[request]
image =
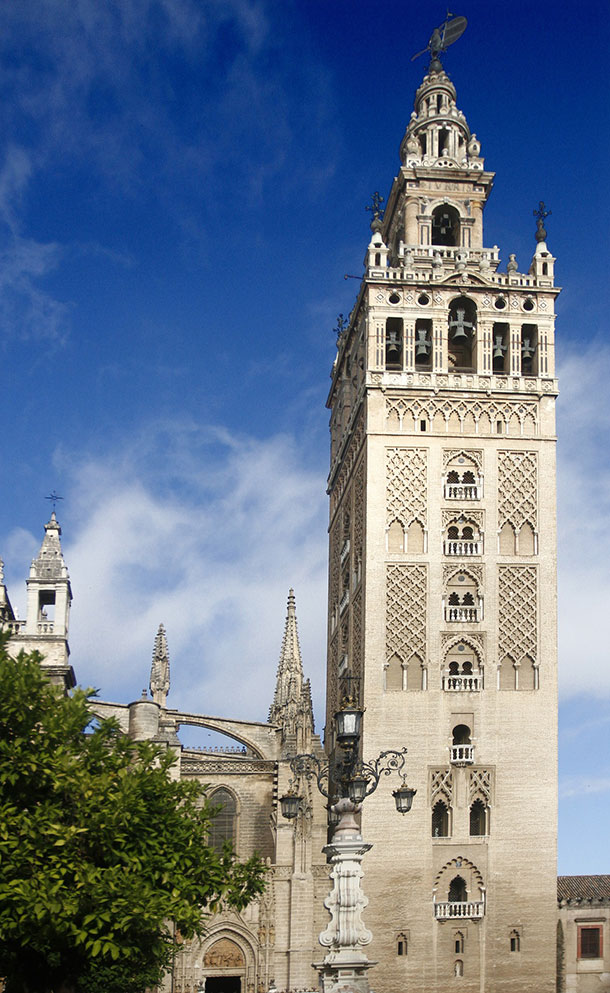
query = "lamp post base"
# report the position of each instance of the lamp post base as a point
(344, 976)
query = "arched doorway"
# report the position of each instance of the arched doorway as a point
(224, 967)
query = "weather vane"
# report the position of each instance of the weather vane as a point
(450, 30)
(54, 497)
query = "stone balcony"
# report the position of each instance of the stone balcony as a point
(462, 910)
(462, 754)
(14, 627)
(462, 684)
(460, 547)
(462, 491)
(462, 615)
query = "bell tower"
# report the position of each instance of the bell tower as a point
(442, 582)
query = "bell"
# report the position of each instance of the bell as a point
(527, 350)
(499, 347)
(460, 327)
(422, 346)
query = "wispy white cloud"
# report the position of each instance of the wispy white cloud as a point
(584, 512)
(579, 785)
(205, 532)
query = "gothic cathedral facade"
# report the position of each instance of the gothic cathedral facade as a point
(442, 574)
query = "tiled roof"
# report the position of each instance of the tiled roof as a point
(577, 889)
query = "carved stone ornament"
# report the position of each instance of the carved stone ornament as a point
(346, 901)
(224, 954)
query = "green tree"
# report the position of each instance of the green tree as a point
(104, 859)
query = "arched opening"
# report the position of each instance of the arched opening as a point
(527, 544)
(462, 335)
(462, 751)
(457, 890)
(458, 969)
(393, 343)
(478, 819)
(529, 347)
(507, 539)
(440, 820)
(445, 226)
(396, 538)
(415, 674)
(423, 343)
(500, 347)
(394, 674)
(415, 538)
(224, 822)
(507, 674)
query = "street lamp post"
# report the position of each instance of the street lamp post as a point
(348, 780)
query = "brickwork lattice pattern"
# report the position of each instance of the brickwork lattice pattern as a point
(406, 485)
(518, 607)
(517, 488)
(406, 594)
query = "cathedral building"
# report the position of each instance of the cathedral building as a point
(441, 620)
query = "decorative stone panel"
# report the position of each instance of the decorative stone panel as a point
(473, 455)
(518, 610)
(406, 485)
(406, 595)
(469, 417)
(441, 786)
(480, 786)
(517, 489)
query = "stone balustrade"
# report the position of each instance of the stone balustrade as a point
(462, 615)
(462, 684)
(452, 546)
(462, 491)
(454, 910)
(462, 754)
(14, 627)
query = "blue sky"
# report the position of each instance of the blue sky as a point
(182, 189)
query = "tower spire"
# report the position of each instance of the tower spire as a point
(159, 670)
(291, 707)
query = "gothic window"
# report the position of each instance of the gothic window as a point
(440, 820)
(500, 339)
(462, 334)
(458, 940)
(402, 945)
(393, 343)
(515, 941)
(529, 350)
(224, 822)
(457, 890)
(478, 819)
(445, 225)
(423, 344)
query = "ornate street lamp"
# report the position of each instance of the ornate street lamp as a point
(345, 935)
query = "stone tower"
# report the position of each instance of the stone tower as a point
(49, 596)
(442, 585)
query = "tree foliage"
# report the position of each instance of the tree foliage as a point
(104, 859)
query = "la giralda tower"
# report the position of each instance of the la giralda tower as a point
(442, 586)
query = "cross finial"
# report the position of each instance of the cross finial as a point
(54, 497)
(540, 214)
(376, 208)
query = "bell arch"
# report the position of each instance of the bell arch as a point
(462, 325)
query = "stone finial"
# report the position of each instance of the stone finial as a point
(49, 563)
(159, 670)
(291, 707)
(1, 571)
